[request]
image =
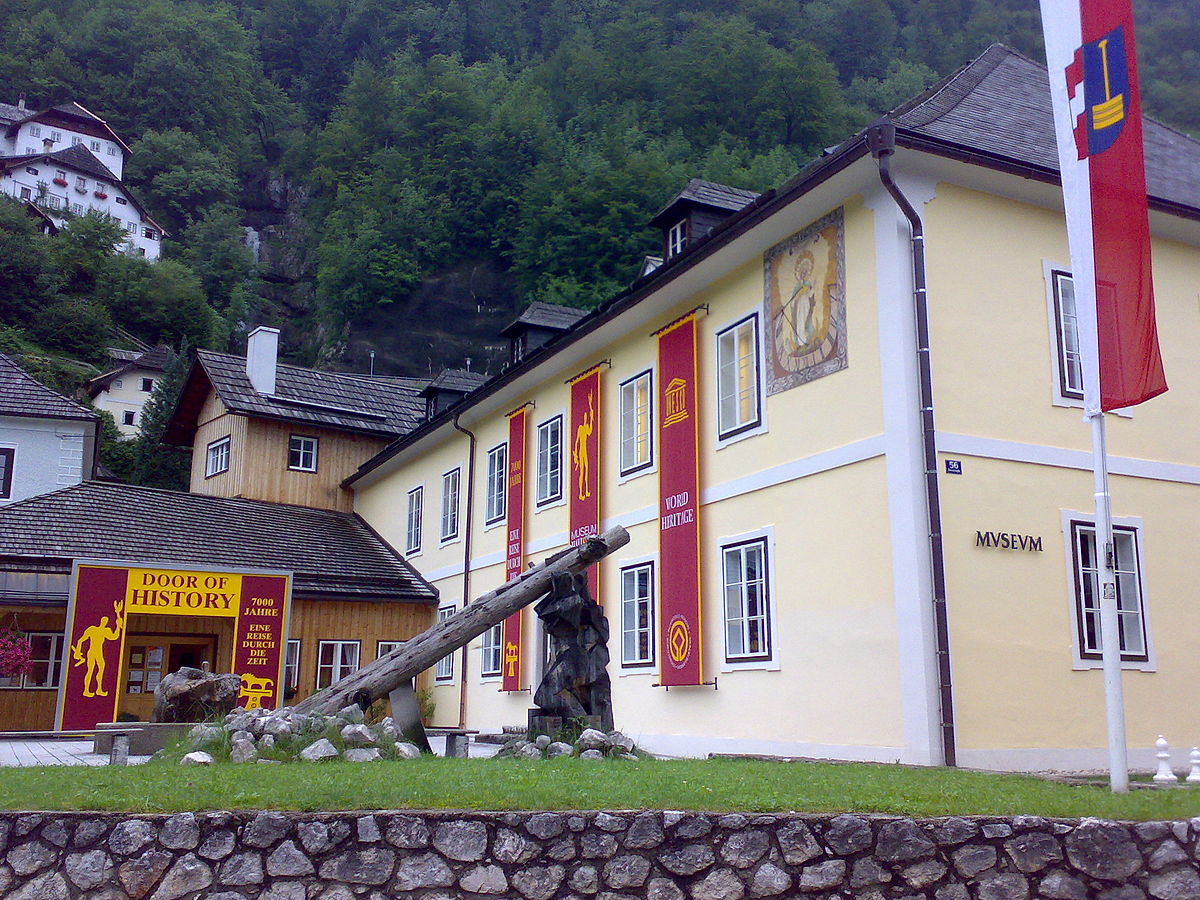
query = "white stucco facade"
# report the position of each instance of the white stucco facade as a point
(48, 454)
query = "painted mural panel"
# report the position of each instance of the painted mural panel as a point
(805, 304)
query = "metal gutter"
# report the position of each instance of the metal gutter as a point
(882, 140)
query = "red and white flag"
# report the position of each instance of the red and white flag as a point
(1098, 123)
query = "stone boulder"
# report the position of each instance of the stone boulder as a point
(193, 695)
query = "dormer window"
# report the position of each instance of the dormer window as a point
(677, 238)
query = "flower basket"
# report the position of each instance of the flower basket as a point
(100, 195)
(16, 655)
(61, 182)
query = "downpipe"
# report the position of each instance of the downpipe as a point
(881, 140)
(466, 588)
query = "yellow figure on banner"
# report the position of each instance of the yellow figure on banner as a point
(89, 650)
(254, 688)
(676, 401)
(511, 658)
(579, 454)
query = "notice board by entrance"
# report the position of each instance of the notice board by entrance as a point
(104, 594)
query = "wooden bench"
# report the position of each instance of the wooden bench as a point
(457, 739)
(117, 756)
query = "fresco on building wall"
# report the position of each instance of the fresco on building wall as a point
(805, 305)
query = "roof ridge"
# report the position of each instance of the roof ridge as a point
(964, 80)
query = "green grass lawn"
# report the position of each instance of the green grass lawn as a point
(714, 785)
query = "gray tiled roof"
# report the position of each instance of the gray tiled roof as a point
(152, 360)
(547, 315)
(349, 402)
(332, 554)
(22, 395)
(1000, 104)
(78, 157)
(708, 193)
(456, 380)
(712, 194)
(10, 113)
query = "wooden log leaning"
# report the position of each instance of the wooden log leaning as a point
(380, 678)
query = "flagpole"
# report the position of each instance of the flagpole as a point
(1110, 630)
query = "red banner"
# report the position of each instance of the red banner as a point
(584, 487)
(515, 556)
(95, 639)
(679, 509)
(1098, 126)
(260, 635)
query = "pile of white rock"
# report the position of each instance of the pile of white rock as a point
(278, 735)
(591, 744)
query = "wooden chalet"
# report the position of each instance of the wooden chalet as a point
(353, 596)
(268, 431)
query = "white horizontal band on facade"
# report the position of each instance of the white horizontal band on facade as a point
(1060, 457)
(825, 461)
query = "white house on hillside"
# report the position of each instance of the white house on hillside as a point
(67, 161)
(124, 390)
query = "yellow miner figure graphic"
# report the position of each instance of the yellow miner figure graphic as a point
(89, 649)
(579, 454)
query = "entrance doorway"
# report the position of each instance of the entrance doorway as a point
(151, 657)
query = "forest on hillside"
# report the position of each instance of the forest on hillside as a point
(378, 147)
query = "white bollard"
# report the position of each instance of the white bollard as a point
(1164, 775)
(1194, 775)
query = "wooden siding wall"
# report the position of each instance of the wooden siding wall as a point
(266, 475)
(344, 620)
(228, 483)
(258, 460)
(312, 621)
(30, 710)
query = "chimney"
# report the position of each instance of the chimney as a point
(262, 352)
(47, 145)
(21, 103)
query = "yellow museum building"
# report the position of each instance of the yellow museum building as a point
(892, 551)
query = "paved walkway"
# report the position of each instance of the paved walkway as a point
(79, 753)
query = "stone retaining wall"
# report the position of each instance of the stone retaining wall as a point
(606, 856)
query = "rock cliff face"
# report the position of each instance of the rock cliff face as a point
(455, 314)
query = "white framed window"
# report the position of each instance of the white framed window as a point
(497, 485)
(450, 504)
(122, 201)
(118, 384)
(35, 130)
(112, 151)
(147, 385)
(128, 417)
(26, 193)
(216, 458)
(94, 145)
(77, 209)
(416, 502)
(490, 661)
(302, 453)
(637, 615)
(291, 666)
(56, 136)
(1064, 328)
(76, 140)
(443, 670)
(746, 606)
(1084, 562)
(549, 461)
(383, 648)
(8, 456)
(676, 238)
(738, 394)
(132, 228)
(637, 417)
(45, 662)
(336, 660)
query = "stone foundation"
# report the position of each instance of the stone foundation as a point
(602, 855)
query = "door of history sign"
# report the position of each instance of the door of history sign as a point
(104, 595)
